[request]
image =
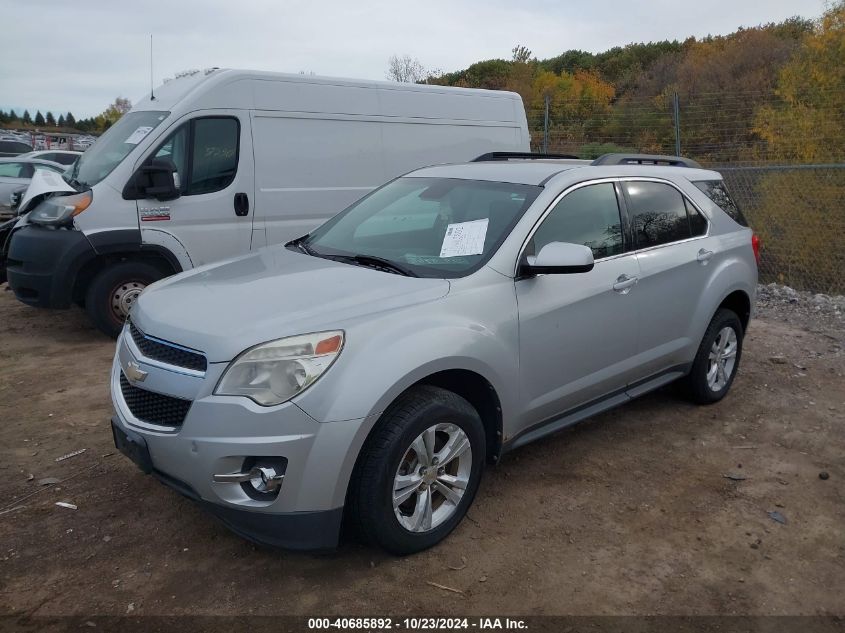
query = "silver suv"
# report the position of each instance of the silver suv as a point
(372, 368)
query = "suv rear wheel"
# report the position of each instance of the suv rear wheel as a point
(717, 360)
(113, 292)
(418, 473)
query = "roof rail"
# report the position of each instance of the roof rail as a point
(645, 159)
(495, 156)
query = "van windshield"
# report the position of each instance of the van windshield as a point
(424, 227)
(102, 157)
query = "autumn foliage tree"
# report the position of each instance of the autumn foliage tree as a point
(804, 208)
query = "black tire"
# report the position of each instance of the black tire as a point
(370, 499)
(696, 383)
(103, 288)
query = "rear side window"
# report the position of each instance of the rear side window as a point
(11, 170)
(589, 216)
(718, 193)
(697, 222)
(14, 146)
(658, 213)
(64, 159)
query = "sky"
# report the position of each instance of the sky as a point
(78, 56)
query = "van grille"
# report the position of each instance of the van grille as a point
(153, 408)
(166, 352)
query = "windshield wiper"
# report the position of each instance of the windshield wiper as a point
(301, 245)
(375, 262)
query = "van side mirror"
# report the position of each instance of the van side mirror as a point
(157, 179)
(557, 258)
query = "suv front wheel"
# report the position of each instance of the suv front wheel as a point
(419, 471)
(717, 360)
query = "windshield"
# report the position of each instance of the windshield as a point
(432, 227)
(102, 157)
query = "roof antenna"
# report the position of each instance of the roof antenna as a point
(152, 94)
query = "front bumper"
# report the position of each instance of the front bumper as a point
(291, 530)
(219, 434)
(42, 264)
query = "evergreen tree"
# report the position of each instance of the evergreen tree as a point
(39, 118)
(27, 119)
(69, 120)
(50, 119)
(61, 121)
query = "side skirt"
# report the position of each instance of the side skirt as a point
(594, 407)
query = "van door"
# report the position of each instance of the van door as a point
(212, 218)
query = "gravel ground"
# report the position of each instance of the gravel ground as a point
(806, 310)
(658, 507)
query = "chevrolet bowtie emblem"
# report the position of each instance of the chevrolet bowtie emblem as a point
(134, 372)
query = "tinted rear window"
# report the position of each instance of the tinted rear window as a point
(718, 193)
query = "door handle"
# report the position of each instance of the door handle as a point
(704, 256)
(241, 205)
(624, 283)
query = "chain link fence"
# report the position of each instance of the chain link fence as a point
(799, 213)
(796, 208)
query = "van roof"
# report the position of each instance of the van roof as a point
(198, 83)
(539, 172)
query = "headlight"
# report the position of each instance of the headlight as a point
(61, 209)
(274, 372)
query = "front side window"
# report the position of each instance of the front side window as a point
(658, 213)
(589, 216)
(204, 153)
(433, 227)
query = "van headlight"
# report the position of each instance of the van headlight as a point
(274, 372)
(60, 210)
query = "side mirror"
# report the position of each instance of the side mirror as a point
(557, 258)
(157, 179)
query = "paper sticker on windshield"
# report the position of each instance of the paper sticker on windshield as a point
(138, 135)
(464, 238)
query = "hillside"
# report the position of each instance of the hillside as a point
(773, 92)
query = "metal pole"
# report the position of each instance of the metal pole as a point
(676, 108)
(546, 99)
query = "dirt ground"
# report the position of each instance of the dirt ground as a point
(630, 513)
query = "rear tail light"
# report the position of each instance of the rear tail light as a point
(755, 245)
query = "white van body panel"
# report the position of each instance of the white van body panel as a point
(309, 147)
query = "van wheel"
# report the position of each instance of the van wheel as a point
(418, 473)
(113, 292)
(717, 360)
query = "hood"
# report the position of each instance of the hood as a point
(223, 309)
(43, 182)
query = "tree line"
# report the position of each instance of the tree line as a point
(771, 92)
(67, 122)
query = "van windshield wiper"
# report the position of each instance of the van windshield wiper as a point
(375, 262)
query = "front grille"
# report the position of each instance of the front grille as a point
(152, 407)
(165, 352)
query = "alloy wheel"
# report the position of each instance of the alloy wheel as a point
(432, 477)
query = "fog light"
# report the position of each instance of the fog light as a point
(260, 477)
(265, 479)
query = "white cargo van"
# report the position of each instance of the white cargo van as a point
(217, 163)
